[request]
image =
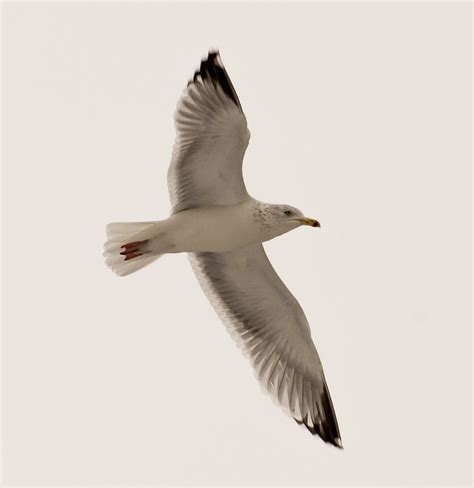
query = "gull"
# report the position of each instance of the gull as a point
(221, 227)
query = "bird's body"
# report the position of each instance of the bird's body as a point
(222, 229)
(217, 228)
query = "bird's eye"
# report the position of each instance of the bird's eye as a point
(288, 212)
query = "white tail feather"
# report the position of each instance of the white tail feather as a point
(126, 250)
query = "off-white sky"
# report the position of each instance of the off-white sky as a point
(360, 116)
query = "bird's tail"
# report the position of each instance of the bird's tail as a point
(127, 247)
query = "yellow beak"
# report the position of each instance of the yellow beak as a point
(311, 222)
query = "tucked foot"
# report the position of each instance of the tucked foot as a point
(134, 249)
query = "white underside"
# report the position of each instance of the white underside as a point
(209, 229)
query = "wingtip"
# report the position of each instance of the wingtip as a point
(215, 57)
(337, 443)
(324, 424)
(320, 432)
(212, 57)
(213, 53)
(212, 69)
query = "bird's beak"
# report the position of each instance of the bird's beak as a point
(311, 222)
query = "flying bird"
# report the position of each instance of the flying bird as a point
(221, 227)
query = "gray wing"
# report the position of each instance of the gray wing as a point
(211, 139)
(267, 322)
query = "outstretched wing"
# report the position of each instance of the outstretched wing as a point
(211, 139)
(267, 322)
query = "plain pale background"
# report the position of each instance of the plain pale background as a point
(360, 116)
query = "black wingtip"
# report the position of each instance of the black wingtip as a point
(213, 53)
(316, 430)
(326, 426)
(212, 69)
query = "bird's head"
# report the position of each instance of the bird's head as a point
(292, 217)
(279, 219)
